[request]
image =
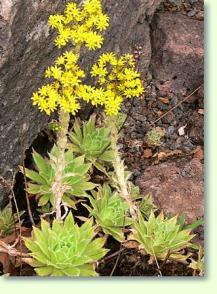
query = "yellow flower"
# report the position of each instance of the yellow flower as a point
(60, 60)
(80, 25)
(92, 6)
(93, 40)
(102, 22)
(113, 104)
(70, 57)
(98, 71)
(116, 76)
(56, 21)
(119, 79)
(61, 92)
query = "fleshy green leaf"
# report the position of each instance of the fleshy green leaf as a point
(65, 249)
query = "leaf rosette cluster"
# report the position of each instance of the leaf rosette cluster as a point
(109, 211)
(161, 237)
(75, 179)
(92, 142)
(8, 220)
(65, 249)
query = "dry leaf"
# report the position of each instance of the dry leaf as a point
(131, 244)
(147, 153)
(12, 260)
(164, 100)
(198, 153)
(165, 154)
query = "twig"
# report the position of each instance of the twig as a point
(115, 265)
(25, 182)
(174, 107)
(10, 250)
(19, 220)
(10, 187)
(127, 116)
(66, 211)
(165, 260)
(155, 258)
(113, 255)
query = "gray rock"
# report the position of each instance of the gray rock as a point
(171, 130)
(191, 13)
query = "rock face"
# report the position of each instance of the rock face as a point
(26, 49)
(174, 189)
(178, 52)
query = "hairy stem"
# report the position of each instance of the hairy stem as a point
(119, 167)
(58, 187)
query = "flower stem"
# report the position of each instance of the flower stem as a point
(58, 187)
(119, 167)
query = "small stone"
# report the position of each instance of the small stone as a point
(200, 15)
(191, 13)
(136, 173)
(168, 119)
(171, 130)
(147, 153)
(193, 1)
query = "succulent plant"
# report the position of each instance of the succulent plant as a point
(75, 178)
(199, 265)
(145, 203)
(161, 237)
(109, 211)
(65, 249)
(8, 220)
(92, 142)
(153, 137)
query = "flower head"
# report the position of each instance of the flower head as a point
(80, 25)
(118, 78)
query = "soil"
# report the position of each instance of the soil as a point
(144, 114)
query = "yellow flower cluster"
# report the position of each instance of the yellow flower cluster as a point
(118, 79)
(63, 90)
(80, 25)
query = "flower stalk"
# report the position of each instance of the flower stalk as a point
(119, 169)
(58, 187)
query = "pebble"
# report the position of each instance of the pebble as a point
(193, 1)
(191, 13)
(136, 173)
(171, 130)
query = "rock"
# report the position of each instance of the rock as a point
(26, 49)
(191, 13)
(177, 53)
(171, 130)
(176, 190)
(196, 130)
(193, 1)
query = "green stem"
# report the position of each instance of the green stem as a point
(119, 167)
(58, 186)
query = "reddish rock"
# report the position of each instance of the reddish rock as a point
(196, 128)
(174, 189)
(178, 52)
